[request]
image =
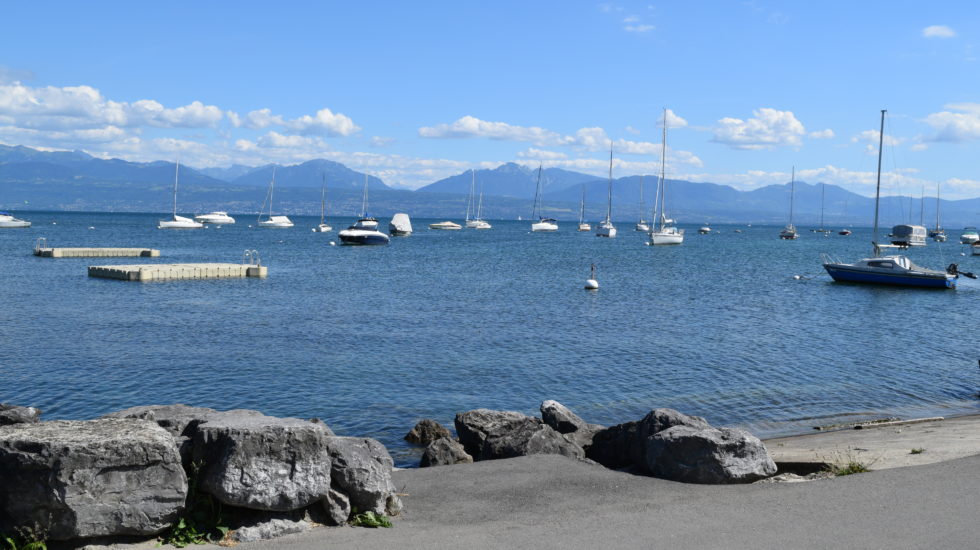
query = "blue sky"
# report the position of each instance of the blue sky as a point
(413, 92)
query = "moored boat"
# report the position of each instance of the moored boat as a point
(542, 224)
(606, 227)
(178, 222)
(400, 225)
(665, 232)
(8, 220)
(445, 226)
(365, 230)
(272, 221)
(216, 217)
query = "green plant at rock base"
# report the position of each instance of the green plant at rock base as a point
(917, 451)
(201, 520)
(19, 543)
(369, 519)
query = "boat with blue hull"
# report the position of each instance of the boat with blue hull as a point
(893, 270)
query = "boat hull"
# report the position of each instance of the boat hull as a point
(362, 237)
(657, 238)
(14, 223)
(605, 231)
(584, 227)
(322, 228)
(215, 217)
(850, 274)
(540, 227)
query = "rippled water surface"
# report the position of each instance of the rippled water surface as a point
(372, 339)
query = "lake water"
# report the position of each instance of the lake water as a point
(372, 339)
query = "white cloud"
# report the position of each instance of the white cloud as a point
(469, 126)
(260, 119)
(325, 120)
(631, 19)
(953, 126)
(673, 120)
(638, 28)
(870, 139)
(822, 134)
(380, 141)
(919, 147)
(769, 129)
(938, 31)
(632, 130)
(540, 154)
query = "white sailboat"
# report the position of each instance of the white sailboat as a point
(542, 223)
(666, 232)
(889, 270)
(606, 227)
(938, 234)
(273, 221)
(323, 227)
(789, 232)
(478, 221)
(178, 222)
(641, 225)
(582, 224)
(822, 229)
(365, 230)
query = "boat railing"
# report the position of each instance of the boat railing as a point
(41, 242)
(251, 257)
(828, 259)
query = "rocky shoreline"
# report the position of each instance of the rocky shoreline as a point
(144, 470)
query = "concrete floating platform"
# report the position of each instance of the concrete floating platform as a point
(96, 252)
(175, 272)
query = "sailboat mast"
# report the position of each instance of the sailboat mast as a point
(662, 183)
(581, 208)
(469, 201)
(272, 187)
(922, 205)
(823, 188)
(792, 191)
(536, 208)
(176, 173)
(323, 198)
(937, 207)
(364, 200)
(881, 141)
(479, 208)
(609, 202)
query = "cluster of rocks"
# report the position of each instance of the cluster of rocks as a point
(664, 443)
(127, 473)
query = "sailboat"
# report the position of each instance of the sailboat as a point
(273, 221)
(543, 224)
(845, 232)
(789, 232)
(582, 224)
(666, 232)
(641, 225)
(888, 270)
(476, 222)
(365, 230)
(178, 222)
(606, 227)
(938, 234)
(323, 227)
(822, 229)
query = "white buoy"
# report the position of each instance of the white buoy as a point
(797, 277)
(91, 227)
(592, 283)
(333, 243)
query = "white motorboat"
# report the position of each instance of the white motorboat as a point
(908, 235)
(666, 232)
(445, 226)
(969, 235)
(178, 222)
(8, 220)
(789, 232)
(606, 227)
(582, 224)
(323, 226)
(272, 221)
(216, 217)
(365, 230)
(888, 270)
(542, 224)
(400, 225)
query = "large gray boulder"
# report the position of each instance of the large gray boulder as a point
(361, 469)
(13, 414)
(78, 479)
(625, 445)
(444, 452)
(426, 431)
(262, 462)
(708, 455)
(488, 435)
(564, 421)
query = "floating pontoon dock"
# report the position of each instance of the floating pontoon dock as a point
(175, 272)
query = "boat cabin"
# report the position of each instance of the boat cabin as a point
(908, 235)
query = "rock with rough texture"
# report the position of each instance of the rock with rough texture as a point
(262, 462)
(361, 469)
(624, 445)
(564, 421)
(444, 452)
(487, 435)
(708, 455)
(270, 529)
(76, 479)
(426, 431)
(337, 507)
(13, 414)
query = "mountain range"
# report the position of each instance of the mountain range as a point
(32, 179)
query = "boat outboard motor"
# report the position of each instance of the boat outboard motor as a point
(954, 269)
